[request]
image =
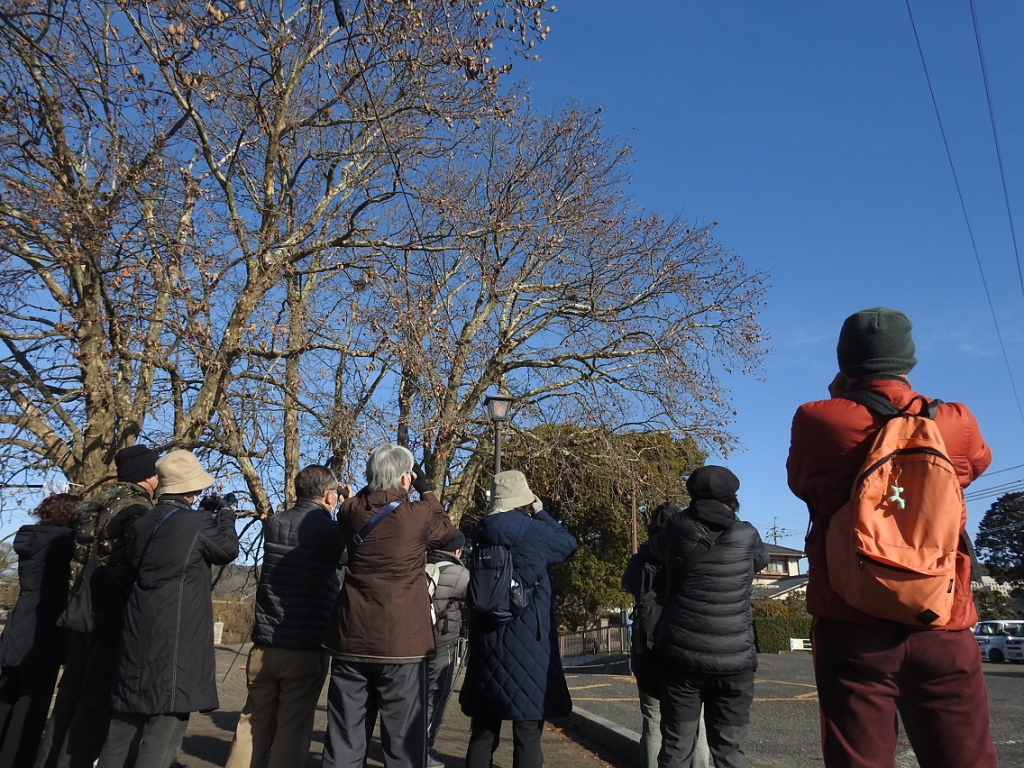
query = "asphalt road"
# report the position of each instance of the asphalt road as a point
(784, 718)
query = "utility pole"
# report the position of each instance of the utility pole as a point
(775, 532)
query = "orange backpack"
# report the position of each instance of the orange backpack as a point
(891, 549)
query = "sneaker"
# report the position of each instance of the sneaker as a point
(433, 761)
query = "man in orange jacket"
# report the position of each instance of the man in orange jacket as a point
(868, 669)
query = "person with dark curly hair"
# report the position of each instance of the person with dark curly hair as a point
(33, 648)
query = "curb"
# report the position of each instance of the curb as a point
(622, 742)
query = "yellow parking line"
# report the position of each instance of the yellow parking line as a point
(787, 682)
(588, 687)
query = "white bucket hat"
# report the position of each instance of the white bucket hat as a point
(511, 490)
(179, 472)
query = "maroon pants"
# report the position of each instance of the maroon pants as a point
(933, 679)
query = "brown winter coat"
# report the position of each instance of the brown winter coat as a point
(383, 610)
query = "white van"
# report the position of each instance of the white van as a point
(991, 637)
(1015, 648)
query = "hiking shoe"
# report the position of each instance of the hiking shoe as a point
(433, 761)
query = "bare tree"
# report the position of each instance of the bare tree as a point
(178, 181)
(548, 283)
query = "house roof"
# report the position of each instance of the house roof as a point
(775, 549)
(779, 588)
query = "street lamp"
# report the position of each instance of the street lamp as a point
(497, 411)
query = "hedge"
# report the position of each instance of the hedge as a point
(772, 635)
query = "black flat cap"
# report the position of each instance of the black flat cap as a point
(712, 482)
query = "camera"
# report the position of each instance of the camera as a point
(215, 502)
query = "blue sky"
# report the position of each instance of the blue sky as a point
(807, 131)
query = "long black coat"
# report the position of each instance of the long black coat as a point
(165, 661)
(31, 637)
(706, 626)
(515, 671)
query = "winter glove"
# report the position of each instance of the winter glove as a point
(419, 479)
(214, 503)
(537, 505)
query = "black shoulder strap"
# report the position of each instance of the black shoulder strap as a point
(699, 550)
(884, 407)
(372, 523)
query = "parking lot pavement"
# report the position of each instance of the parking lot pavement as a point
(784, 716)
(783, 732)
(208, 739)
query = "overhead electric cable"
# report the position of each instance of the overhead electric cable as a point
(995, 138)
(963, 208)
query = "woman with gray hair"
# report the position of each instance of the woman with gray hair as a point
(381, 632)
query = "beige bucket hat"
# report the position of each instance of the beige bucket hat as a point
(179, 472)
(511, 490)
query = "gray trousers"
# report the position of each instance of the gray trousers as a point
(159, 738)
(358, 692)
(726, 703)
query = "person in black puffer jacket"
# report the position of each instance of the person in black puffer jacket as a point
(302, 551)
(165, 664)
(646, 580)
(32, 647)
(706, 635)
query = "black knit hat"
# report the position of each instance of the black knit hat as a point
(135, 463)
(876, 341)
(712, 482)
(458, 542)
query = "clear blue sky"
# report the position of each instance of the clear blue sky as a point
(807, 130)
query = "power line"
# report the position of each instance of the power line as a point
(995, 139)
(963, 208)
(991, 472)
(996, 490)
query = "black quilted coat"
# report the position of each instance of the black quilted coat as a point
(706, 626)
(31, 637)
(515, 672)
(165, 661)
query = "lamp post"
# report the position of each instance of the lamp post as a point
(497, 411)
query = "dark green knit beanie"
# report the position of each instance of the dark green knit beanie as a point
(876, 341)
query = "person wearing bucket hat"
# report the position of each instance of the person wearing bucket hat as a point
(102, 567)
(165, 662)
(515, 671)
(705, 639)
(866, 669)
(450, 578)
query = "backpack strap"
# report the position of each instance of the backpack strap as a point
(699, 550)
(886, 408)
(372, 523)
(157, 527)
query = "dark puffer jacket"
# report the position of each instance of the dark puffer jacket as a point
(515, 671)
(448, 596)
(706, 626)
(302, 551)
(165, 662)
(31, 637)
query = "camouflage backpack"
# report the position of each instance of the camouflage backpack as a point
(101, 527)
